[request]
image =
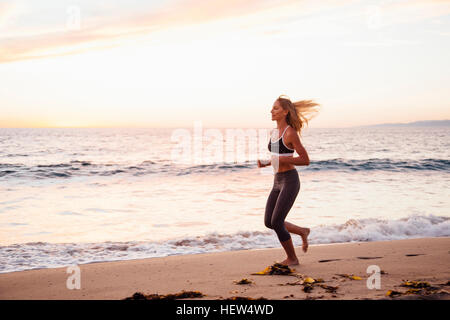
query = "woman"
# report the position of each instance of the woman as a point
(290, 118)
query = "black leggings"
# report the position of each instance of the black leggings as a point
(286, 186)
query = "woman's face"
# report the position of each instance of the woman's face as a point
(278, 113)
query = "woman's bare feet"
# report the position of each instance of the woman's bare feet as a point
(304, 234)
(290, 262)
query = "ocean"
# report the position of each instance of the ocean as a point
(81, 195)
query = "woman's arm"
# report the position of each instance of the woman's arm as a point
(264, 163)
(292, 137)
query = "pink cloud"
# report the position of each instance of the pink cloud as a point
(101, 32)
(102, 29)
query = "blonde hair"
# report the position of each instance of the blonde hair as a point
(300, 112)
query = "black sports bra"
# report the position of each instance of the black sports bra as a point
(280, 149)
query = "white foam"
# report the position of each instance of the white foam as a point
(414, 226)
(38, 255)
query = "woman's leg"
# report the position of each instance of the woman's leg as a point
(270, 205)
(288, 247)
(302, 232)
(285, 201)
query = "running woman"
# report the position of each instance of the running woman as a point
(290, 118)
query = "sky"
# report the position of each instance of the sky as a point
(117, 63)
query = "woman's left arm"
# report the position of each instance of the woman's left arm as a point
(303, 158)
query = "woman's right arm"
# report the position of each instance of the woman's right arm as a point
(264, 163)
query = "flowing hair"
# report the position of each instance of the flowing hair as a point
(300, 112)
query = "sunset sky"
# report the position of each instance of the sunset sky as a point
(108, 63)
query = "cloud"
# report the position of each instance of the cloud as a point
(96, 32)
(383, 43)
(8, 11)
(109, 31)
(271, 16)
(398, 12)
(365, 20)
(5, 7)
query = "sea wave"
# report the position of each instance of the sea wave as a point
(90, 168)
(340, 164)
(37, 255)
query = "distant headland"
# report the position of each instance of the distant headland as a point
(426, 123)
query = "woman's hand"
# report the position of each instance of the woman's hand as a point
(264, 163)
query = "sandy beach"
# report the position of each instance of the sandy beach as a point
(213, 274)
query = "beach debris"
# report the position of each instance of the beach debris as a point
(307, 287)
(244, 298)
(414, 254)
(368, 258)
(276, 269)
(308, 284)
(154, 296)
(351, 276)
(329, 289)
(412, 290)
(302, 281)
(308, 280)
(383, 272)
(295, 283)
(243, 281)
(415, 284)
(392, 293)
(137, 296)
(312, 280)
(420, 288)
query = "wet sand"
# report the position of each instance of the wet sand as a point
(213, 274)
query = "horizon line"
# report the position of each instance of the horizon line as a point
(215, 127)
